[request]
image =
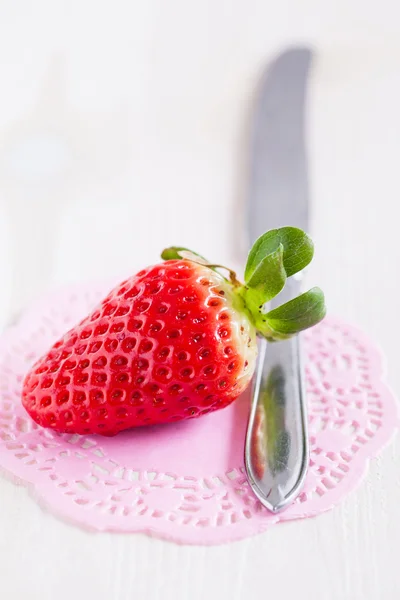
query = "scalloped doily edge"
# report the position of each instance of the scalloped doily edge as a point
(241, 530)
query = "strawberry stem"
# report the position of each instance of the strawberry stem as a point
(275, 256)
(232, 275)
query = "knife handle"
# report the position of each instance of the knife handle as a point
(276, 449)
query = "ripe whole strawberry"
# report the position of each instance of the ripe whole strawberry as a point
(175, 341)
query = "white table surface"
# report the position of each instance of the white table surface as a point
(136, 112)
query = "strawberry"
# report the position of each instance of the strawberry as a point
(175, 341)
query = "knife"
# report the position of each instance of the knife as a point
(276, 448)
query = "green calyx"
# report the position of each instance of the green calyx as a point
(275, 256)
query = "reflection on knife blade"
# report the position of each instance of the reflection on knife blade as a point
(270, 438)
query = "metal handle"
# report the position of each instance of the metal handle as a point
(276, 450)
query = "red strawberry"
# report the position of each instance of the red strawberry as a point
(175, 341)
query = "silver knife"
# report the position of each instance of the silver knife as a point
(276, 449)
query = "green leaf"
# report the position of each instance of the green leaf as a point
(298, 250)
(268, 279)
(298, 314)
(176, 252)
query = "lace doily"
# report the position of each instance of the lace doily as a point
(186, 481)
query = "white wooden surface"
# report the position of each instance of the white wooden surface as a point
(136, 112)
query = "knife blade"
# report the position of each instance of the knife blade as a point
(276, 448)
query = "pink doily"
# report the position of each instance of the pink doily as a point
(186, 481)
